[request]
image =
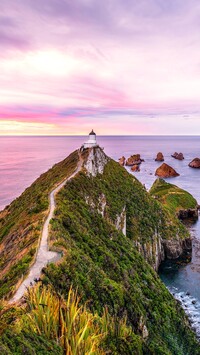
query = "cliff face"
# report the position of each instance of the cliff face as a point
(111, 233)
(158, 234)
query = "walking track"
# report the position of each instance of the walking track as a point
(44, 256)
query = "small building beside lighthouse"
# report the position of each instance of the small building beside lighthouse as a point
(91, 142)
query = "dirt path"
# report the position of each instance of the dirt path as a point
(44, 256)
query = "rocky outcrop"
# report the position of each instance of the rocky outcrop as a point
(135, 168)
(121, 221)
(134, 160)
(152, 251)
(159, 157)
(195, 163)
(122, 161)
(178, 156)
(96, 161)
(173, 248)
(166, 171)
(188, 213)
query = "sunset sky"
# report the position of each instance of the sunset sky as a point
(117, 66)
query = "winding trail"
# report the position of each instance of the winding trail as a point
(44, 256)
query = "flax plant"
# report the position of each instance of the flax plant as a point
(73, 327)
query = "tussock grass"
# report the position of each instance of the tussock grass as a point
(76, 329)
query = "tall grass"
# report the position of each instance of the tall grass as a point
(73, 327)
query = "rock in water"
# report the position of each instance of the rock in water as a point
(122, 161)
(159, 157)
(134, 160)
(166, 171)
(195, 163)
(178, 156)
(135, 167)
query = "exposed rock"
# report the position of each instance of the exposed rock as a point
(134, 160)
(175, 248)
(122, 161)
(195, 163)
(135, 167)
(159, 157)
(166, 171)
(178, 156)
(96, 161)
(143, 328)
(121, 221)
(189, 213)
(152, 251)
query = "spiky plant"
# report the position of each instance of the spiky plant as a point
(75, 328)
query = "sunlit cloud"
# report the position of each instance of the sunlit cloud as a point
(70, 65)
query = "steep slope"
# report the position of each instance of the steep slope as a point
(110, 231)
(21, 224)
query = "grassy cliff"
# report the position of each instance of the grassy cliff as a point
(106, 267)
(172, 197)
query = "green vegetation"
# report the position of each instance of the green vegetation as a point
(21, 223)
(66, 326)
(123, 306)
(172, 197)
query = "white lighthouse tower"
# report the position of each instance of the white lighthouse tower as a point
(91, 142)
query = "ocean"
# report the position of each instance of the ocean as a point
(23, 159)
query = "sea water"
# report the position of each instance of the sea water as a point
(23, 159)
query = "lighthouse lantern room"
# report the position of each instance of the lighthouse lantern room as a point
(91, 142)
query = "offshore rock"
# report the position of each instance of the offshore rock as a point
(166, 171)
(135, 168)
(178, 156)
(159, 157)
(195, 163)
(122, 161)
(134, 160)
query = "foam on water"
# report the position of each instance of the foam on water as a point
(191, 307)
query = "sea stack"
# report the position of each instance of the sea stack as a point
(166, 171)
(159, 157)
(178, 156)
(122, 161)
(195, 163)
(134, 160)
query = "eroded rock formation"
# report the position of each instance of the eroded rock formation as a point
(178, 156)
(135, 167)
(195, 163)
(166, 171)
(122, 161)
(134, 160)
(159, 157)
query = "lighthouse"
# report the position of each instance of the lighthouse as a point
(91, 142)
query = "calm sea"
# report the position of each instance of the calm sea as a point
(23, 159)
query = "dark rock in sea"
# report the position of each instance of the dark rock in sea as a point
(194, 302)
(195, 163)
(135, 168)
(187, 293)
(178, 156)
(159, 157)
(173, 249)
(166, 171)
(188, 213)
(134, 160)
(122, 161)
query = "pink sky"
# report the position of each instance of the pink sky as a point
(118, 66)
